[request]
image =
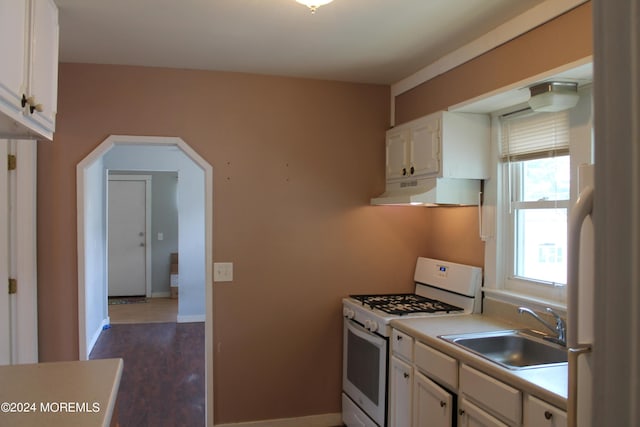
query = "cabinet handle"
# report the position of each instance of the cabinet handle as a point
(399, 337)
(37, 107)
(461, 412)
(23, 101)
(412, 170)
(406, 375)
(443, 403)
(404, 171)
(548, 415)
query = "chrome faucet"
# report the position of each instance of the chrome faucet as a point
(560, 329)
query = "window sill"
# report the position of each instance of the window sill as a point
(534, 303)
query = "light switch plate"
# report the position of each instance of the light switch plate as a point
(222, 271)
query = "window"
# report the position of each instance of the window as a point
(536, 175)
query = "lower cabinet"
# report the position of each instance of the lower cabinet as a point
(400, 385)
(422, 393)
(432, 404)
(538, 413)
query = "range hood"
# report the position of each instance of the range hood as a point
(431, 192)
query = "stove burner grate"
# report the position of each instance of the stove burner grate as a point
(401, 304)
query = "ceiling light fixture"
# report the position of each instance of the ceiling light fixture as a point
(314, 4)
(553, 96)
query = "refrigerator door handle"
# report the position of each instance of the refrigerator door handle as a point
(580, 211)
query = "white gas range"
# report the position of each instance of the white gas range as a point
(442, 288)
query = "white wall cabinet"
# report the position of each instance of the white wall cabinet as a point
(442, 144)
(29, 75)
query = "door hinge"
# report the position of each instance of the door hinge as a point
(13, 286)
(12, 162)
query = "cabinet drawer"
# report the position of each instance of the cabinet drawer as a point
(402, 345)
(437, 365)
(503, 400)
(538, 413)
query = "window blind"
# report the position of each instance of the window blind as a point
(535, 135)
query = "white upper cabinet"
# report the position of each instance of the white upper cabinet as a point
(29, 74)
(443, 145)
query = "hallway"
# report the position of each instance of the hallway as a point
(163, 380)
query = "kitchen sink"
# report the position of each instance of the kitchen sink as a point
(513, 349)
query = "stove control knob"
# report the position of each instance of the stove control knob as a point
(372, 326)
(348, 313)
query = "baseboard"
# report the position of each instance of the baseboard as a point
(160, 294)
(323, 420)
(191, 318)
(96, 335)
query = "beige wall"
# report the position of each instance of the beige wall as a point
(295, 162)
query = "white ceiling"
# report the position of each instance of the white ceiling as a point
(369, 41)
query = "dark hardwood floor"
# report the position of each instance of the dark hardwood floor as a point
(163, 378)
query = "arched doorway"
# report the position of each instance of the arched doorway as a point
(92, 266)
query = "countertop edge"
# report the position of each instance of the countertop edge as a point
(113, 396)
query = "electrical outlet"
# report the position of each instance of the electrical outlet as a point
(222, 271)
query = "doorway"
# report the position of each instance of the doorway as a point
(196, 177)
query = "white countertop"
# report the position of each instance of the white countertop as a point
(55, 394)
(549, 383)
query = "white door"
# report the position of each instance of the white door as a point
(127, 236)
(18, 311)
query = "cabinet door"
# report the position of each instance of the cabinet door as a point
(469, 415)
(425, 147)
(397, 152)
(13, 31)
(400, 394)
(432, 405)
(43, 81)
(540, 414)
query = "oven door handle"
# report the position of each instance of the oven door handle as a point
(363, 333)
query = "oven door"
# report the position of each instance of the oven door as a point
(364, 370)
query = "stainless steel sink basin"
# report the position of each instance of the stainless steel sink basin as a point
(513, 349)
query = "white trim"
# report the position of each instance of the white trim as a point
(193, 318)
(519, 25)
(148, 241)
(160, 294)
(81, 168)
(96, 334)
(323, 420)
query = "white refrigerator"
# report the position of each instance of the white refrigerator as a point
(580, 304)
